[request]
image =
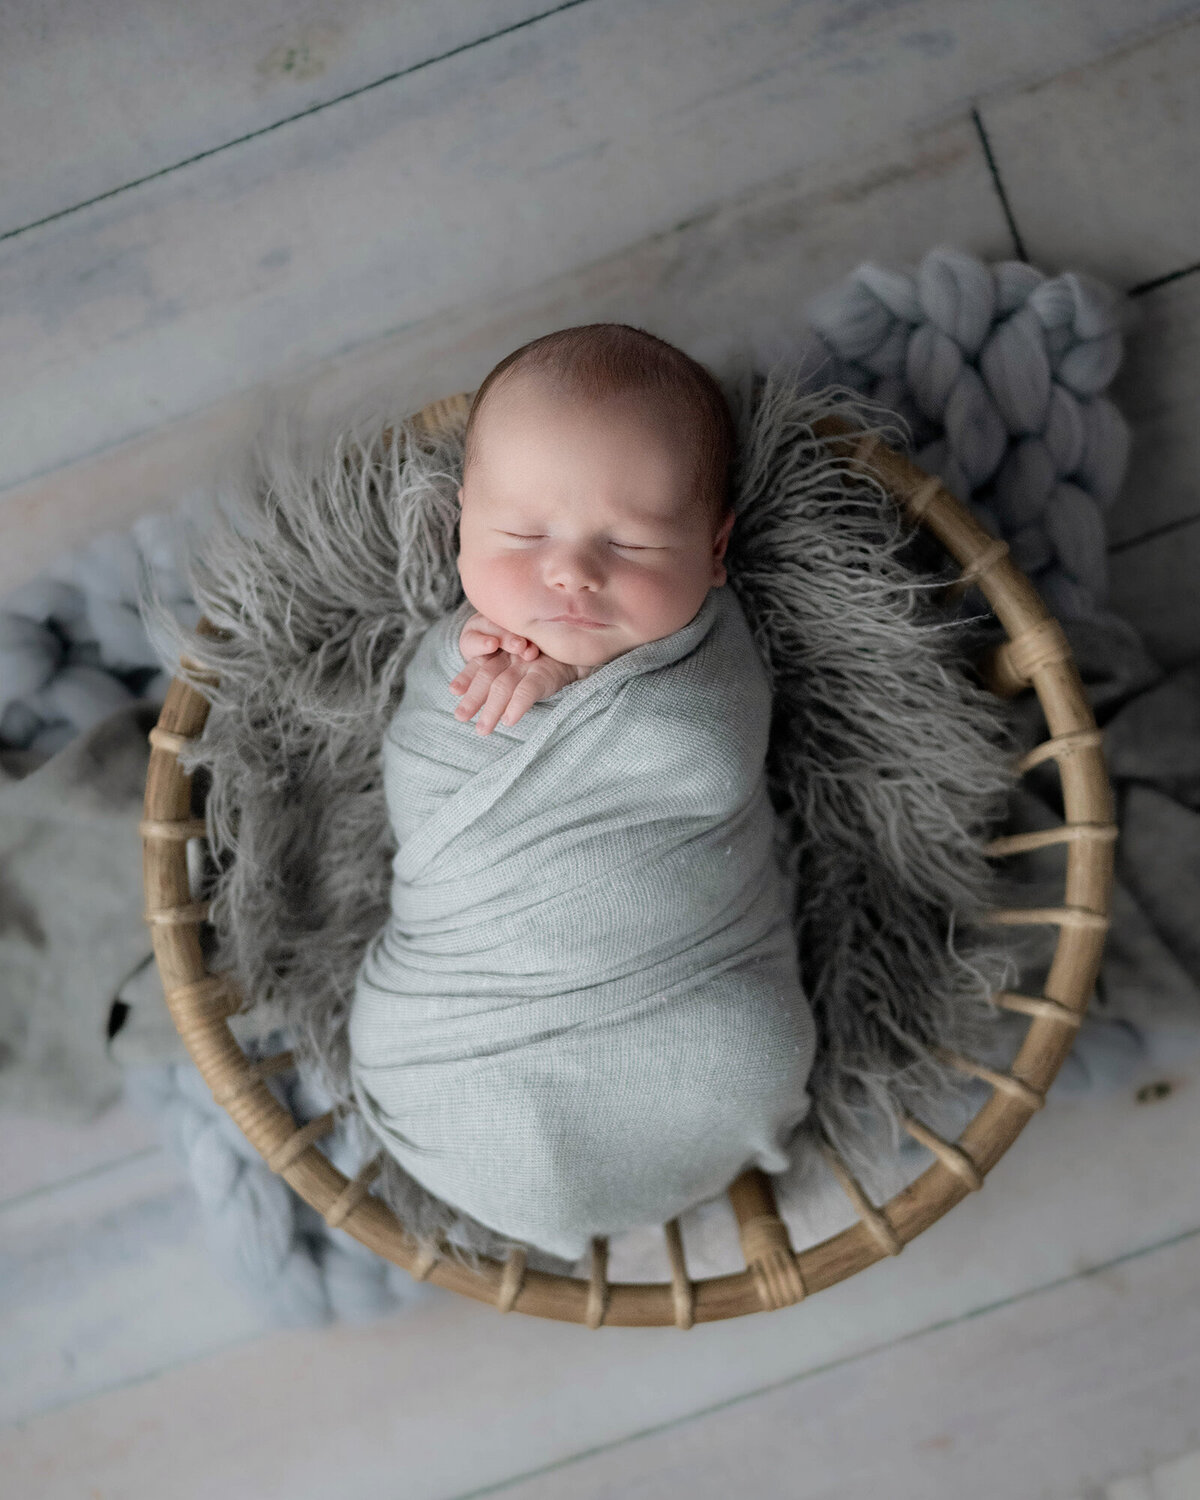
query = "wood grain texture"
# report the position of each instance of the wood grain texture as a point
(1154, 585)
(454, 1396)
(100, 96)
(36, 1153)
(1099, 163)
(497, 168)
(1032, 1398)
(1158, 390)
(731, 283)
(106, 1280)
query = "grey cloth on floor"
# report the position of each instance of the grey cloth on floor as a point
(80, 997)
(72, 935)
(584, 1012)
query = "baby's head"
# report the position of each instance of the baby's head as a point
(595, 483)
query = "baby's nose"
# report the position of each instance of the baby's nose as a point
(575, 565)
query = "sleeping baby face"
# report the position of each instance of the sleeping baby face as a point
(587, 509)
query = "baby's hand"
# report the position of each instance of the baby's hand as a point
(480, 637)
(505, 685)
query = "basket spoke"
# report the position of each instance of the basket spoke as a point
(1004, 1083)
(766, 1245)
(1065, 833)
(353, 1194)
(424, 1260)
(683, 1296)
(597, 1297)
(167, 739)
(1046, 916)
(173, 829)
(876, 1221)
(297, 1144)
(187, 912)
(1040, 1006)
(512, 1279)
(952, 1157)
(1060, 747)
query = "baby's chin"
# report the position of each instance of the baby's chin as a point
(578, 646)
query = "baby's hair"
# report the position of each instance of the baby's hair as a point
(597, 360)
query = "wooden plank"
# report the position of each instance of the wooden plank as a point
(1153, 584)
(451, 1396)
(589, 131)
(105, 1280)
(1099, 162)
(1048, 1396)
(1158, 389)
(36, 1153)
(102, 96)
(729, 282)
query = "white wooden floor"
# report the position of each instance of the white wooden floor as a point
(204, 203)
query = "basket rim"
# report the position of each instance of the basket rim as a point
(1035, 654)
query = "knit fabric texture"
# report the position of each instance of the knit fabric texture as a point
(585, 1012)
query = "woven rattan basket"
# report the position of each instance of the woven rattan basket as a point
(1036, 654)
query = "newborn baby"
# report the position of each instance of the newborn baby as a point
(585, 1012)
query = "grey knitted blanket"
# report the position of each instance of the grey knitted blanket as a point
(584, 1012)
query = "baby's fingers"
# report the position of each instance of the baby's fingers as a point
(476, 642)
(524, 695)
(507, 700)
(518, 646)
(474, 683)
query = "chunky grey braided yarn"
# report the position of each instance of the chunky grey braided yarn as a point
(1000, 372)
(72, 645)
(267, 1240)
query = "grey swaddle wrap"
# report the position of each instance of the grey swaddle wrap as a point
(585, 1011)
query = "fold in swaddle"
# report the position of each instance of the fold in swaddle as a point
(585, 1011)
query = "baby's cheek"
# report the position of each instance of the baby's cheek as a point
(655, 601)
(495, 588)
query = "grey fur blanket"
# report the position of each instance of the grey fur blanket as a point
(584, 1011)
(886, 763)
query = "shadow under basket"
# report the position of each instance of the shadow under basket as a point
(1035, 655)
